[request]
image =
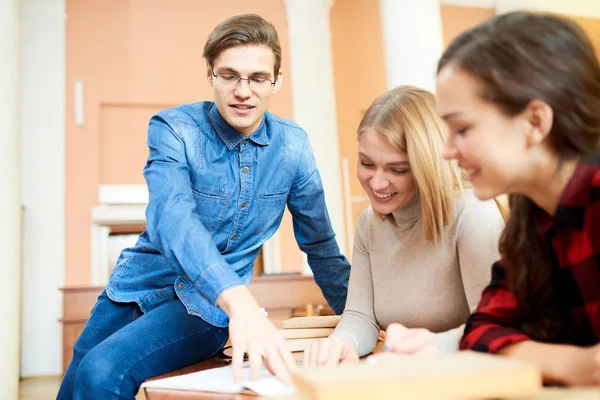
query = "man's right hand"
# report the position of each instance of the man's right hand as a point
(252, 333)
(329, 351)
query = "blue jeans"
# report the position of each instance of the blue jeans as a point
(120, 347)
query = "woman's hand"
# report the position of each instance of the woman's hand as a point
(402, 341)
(329, 351)
(583, 367)
(252, 333)
(560, 363)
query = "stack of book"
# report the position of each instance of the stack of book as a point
(301, 332)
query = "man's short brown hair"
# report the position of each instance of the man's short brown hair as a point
(246, 29)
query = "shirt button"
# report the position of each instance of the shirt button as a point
(233, 236)
(245, 170)
(243, 204)
(244, 141)
(180, 286)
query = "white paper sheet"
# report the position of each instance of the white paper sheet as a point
(221, 380)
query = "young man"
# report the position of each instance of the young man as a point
(219, 175)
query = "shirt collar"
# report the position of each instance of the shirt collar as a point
(232, 137)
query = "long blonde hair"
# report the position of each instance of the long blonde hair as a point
(407, 118)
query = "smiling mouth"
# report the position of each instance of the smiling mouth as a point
(382, 196)
(471, 172)
(242, 107)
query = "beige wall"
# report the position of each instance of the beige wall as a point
(142, 70)
(10, 200)
(359, 71)
(591, 26)
(131, 68)
(457, 19)
(43, 184)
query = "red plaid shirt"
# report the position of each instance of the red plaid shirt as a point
(574, 234)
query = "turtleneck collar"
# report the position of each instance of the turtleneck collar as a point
(408, 215)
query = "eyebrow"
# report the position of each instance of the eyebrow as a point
(451, 115)
(391, 164)
(233, 71)
(399, 163)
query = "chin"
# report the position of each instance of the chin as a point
(383, 210)
(239, 127)
(485, 193)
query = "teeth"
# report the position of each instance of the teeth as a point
(383, 195)
(243, 107)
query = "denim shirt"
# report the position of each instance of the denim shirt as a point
(215, 198)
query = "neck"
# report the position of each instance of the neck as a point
(408, 214)
(548, 182)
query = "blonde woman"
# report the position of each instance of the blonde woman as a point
(422, 250)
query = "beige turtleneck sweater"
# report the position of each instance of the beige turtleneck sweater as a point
(399, 276)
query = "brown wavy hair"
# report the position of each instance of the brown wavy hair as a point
(519, 57)
(240, 30)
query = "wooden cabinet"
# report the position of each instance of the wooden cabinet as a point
(282, 296)
(77, 304)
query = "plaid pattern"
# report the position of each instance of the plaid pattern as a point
(574, 234)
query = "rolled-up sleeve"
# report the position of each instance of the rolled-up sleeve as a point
(358, 325)
(493, 325)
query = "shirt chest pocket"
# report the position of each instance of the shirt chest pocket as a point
(211, 207)
(270, 208)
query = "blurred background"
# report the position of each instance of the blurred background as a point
(79, 80)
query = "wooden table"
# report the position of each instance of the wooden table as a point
(168, 394)
(544, 394)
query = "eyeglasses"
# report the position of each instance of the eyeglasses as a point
(232, 80)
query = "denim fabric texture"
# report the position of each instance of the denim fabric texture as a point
(120, 347)
(216, 196)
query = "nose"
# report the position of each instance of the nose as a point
(242, 90)
(450, 151)
(379, 181)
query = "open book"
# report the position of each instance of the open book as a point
(221, 380)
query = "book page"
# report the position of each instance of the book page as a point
(221, 380)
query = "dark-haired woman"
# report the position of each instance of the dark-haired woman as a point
(521, 96)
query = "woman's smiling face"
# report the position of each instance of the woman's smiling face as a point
(384, 173)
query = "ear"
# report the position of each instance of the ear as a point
(540, 117)
(209, 75)
(278, 82)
